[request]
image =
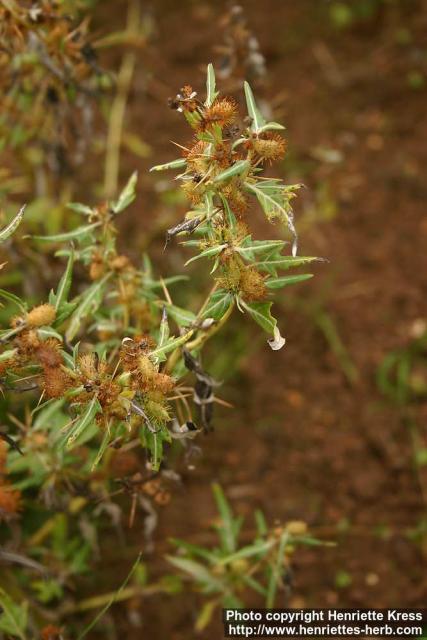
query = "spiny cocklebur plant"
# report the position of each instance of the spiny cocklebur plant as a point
(107, 361)
(108, 352)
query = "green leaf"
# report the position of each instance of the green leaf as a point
(260, 246)
(275, 202)
(257, 120)
(11, 297)
(278, 283)
(104, 444)
(285, 262)
(197, 571)
(12, 226)
(235, 170)
(48, 413)
(228, 525)
(153, 441)
(67, 309)
(195, 550)
(182, 317)
(207, 253)
(69, 235)
(255, 585)
(6, 334)
(180, 163)
(48, 332)
(80, 208)
(164, 331)
(261, 313)
(211, 94)
(91, 301)
(271, 126)
(13, 619)
(8, 355)
(261, 523)
(218, 304)
(128, 194)
(84, 421)
(171, 344)
(65, 283)
(258, 548)
(232, 221)
(276, 572)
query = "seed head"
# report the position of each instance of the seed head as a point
(252, 285)
(222, 112)
(55, 382)
(87, 365)
(270, 147)
(41, 315)
(236, 199)
(48, 354)
(196, 157)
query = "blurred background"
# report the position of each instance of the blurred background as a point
(332, 429)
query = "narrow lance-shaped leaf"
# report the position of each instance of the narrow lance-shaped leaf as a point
(153, 441)
(128, 194)
(69, 235)
(8, 355)
(102, 448)
(257, 120)
(235, 170)
(11, 297)
(171, 344)
(197, 571)
(278, 283)
(207, 253)
(180, 163)
(211, 93)
(89, 303)
(65, 283)
(271, 126)
(276, 572)
(12, 226)
(78, 207)
(259, 547)
(195, 550)
(84, 421)
(227, 528)
(285, 262)
(260, 246)
(164, 328)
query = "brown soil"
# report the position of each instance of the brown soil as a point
(306, 442)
